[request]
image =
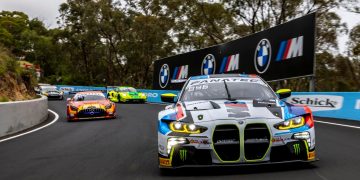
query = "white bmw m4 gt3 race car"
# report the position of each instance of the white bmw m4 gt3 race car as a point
(228, 119)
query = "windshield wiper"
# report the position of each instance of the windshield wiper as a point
(228, 92)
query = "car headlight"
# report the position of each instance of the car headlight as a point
(142, 94)
(109, 106)
(73, 108)
(186, 128)
(291, 123)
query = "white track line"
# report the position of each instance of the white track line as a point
(336, 124)
(28, 132)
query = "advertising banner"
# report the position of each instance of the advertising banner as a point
(281, 52)
(154, 96)
(74, 89)
(341, 105)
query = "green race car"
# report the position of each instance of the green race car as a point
(126, 94)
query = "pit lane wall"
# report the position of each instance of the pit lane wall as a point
(342, 105)
(19, 115)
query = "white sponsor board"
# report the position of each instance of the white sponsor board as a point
(357, 104)
(152, 95)
(66, 89)
(318, 102)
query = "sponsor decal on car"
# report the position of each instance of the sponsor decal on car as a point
(237, 109)
(318, 102)
(208, 65)
(180, 74)
(164, 162)
(296, 148)
(280, 139)
(262, 56)
(164, 75)
(183, 154)
(199, 141)
(311, 155)
(218, 80)
(290, 48)
(229, 63)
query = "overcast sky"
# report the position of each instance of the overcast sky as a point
(47, 11)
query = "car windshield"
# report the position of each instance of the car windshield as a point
(237, 88)
(126, 89)
(88, 97)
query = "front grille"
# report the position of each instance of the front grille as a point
(91, 112)
(226, 140)
(257, 141)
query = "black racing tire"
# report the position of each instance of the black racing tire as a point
(108, 95)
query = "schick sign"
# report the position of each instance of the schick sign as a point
(318, 102)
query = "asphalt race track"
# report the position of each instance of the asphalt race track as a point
(126, 148)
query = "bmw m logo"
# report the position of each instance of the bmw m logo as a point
(262, 56)
(208, 65)
(164, 75)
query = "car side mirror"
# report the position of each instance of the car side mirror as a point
(283, 93)
(168, 97)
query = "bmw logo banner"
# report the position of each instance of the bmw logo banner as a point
(281, 52)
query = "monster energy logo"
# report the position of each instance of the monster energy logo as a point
(296, 149)
(183, 153)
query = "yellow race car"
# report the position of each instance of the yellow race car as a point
(126, 94)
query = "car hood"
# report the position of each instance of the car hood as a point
(204, 111)
(228, 110)
(86, 104)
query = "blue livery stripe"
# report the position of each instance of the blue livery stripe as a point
(281, 51)
(223, 64)
(175, 73)
(163, 128)
(199, 77)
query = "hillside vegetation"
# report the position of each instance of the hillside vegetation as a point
(15, 83)
(113, 42)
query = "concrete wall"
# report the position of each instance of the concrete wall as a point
(20, 115)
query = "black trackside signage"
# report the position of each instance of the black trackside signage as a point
(281, 52)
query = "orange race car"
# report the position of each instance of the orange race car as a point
(89, 105)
